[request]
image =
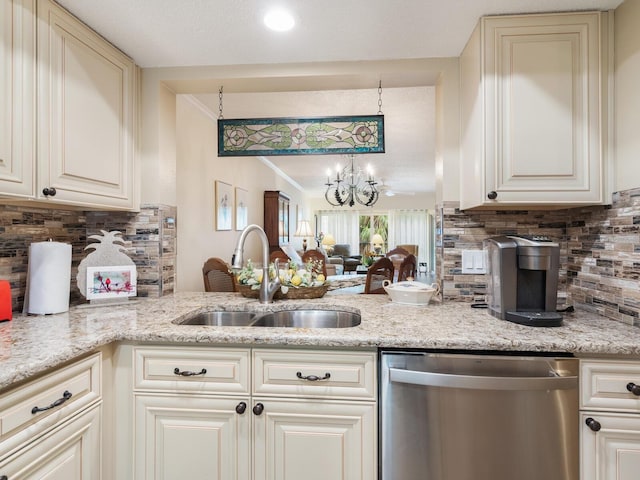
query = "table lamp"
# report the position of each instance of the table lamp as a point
(304, 231)
(328, 242)
(377, 242)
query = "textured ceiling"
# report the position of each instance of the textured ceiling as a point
(231, 32)
(178, 33)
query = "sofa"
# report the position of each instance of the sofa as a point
(343, 251)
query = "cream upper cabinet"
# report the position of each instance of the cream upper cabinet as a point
(535, 97)
(17, 101)
(610, 420)
(86, 113)
(79, 149)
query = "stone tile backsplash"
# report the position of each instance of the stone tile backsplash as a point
(599, 251)
(599, 248)
(149, 235)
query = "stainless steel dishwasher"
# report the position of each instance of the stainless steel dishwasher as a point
(478, 417)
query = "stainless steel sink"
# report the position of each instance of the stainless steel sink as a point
(283, 318)
(221, 319)
(308, 319)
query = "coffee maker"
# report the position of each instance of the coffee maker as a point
(523, 279)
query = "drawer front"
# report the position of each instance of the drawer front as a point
(41, 403)
(328, 374)
(604, 384)
(192, 369)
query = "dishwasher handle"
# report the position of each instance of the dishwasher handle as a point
(449, 380)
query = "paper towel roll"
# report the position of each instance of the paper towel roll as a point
(48, 278)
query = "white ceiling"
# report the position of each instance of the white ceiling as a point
(175, 33)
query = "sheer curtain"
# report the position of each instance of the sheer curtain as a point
(410, 227)
(343, 225)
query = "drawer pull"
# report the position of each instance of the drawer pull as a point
(187, 373)
(633, 388)
(65, 396)
(593, 424)
(313, 378)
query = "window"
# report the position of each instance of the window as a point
(370, 225)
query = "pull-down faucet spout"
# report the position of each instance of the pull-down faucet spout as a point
(267, 288)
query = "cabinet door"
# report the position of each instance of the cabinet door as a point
(17, 97)
(535, 97)
(613, 452)
(86, 114)
(69, 452)
(314, 440)
(195, 438)
(543, 84)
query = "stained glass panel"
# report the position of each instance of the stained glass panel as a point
(300, 136)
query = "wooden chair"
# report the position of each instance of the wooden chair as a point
(382, 269)
(316, 255)
(281, 256)
(408, 268)
(410, 248)
(397, 255)
(218, 276)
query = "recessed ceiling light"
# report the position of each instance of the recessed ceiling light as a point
(279, 20)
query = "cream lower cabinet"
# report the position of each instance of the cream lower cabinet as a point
(51, 427)
(536, 93)
(69, 452)
(305, 414)
(610, 420)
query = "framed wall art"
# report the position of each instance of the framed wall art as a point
(242, 208)
(223, 205)
(111, 282)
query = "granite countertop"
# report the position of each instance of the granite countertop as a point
(31, 344)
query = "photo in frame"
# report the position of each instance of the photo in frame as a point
(242, 208)
(223, 205)
(111, 282)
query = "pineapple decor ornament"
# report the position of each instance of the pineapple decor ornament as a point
(109, 251)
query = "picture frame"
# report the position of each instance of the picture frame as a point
(223, 205)
(241, 208)
(111, 282)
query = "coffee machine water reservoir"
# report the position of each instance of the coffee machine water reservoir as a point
(523, 280)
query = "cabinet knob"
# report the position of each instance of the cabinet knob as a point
(633, 388)
(492, 195)
(593, 424)
(258, 409)
(241, 407)
(48, 192)
(4, 477)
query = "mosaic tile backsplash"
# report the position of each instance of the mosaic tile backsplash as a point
(149, 235)
(599, 252)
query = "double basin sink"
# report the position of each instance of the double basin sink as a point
(282, 318)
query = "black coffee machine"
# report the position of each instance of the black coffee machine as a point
(523, 279)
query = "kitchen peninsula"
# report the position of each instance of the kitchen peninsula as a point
(31, 344)
(132, 379)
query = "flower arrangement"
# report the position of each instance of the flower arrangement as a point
(309, 275)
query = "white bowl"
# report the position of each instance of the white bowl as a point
(410, 292)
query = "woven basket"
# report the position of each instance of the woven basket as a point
(292, 293)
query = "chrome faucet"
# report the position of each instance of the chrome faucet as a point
(267, 288)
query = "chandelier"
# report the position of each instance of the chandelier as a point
(351, 185)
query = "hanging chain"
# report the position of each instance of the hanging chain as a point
(380, 98)
(220, 116)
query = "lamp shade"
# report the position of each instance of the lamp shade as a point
(304, 229)
(328, 240)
